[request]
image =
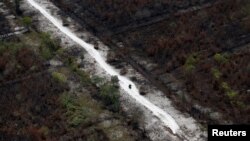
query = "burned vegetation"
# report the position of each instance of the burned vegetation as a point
(45, 95)
(202, 45)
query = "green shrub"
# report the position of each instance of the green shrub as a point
(190, 63)
(84, 77)
(191, 59)
(216, 73)
(59, 77)
(27, 21)
(48, 42)
(60, 52)
(48, 46)
(71, 62)
(46, 53)
(98, 80)
(229, 92)
(189, 67)
(66, 100)
(115, 81)
(220, 58)
(225, 86)
(76, 113)
(110, 95)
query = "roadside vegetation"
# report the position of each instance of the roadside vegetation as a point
(55, 102)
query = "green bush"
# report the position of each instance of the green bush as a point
(190, 63)
(220, 58)
(225, 86)
(84, 77)
(76, 113)
(110, 95)
(73, 66)
(229, 92)
(98, 80)
(48, 46)
(115, 81)
(46, 53)
(71, 62)
(216, 73)
(59, 77)
(48, 42)
(189, 67)
(27, 21)
(61, 51)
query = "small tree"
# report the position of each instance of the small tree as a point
(216, 73)
(220, 58)
(115, 80)
(59, 77)
(46, 53)
(110, 95)
(98, 80)
(190, 63)
(48, 42)
(76, 112)
(230, 93)
(27, 21)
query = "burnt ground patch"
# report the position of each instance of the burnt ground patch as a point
(206, 49)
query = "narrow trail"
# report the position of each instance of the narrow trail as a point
(124, 82)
